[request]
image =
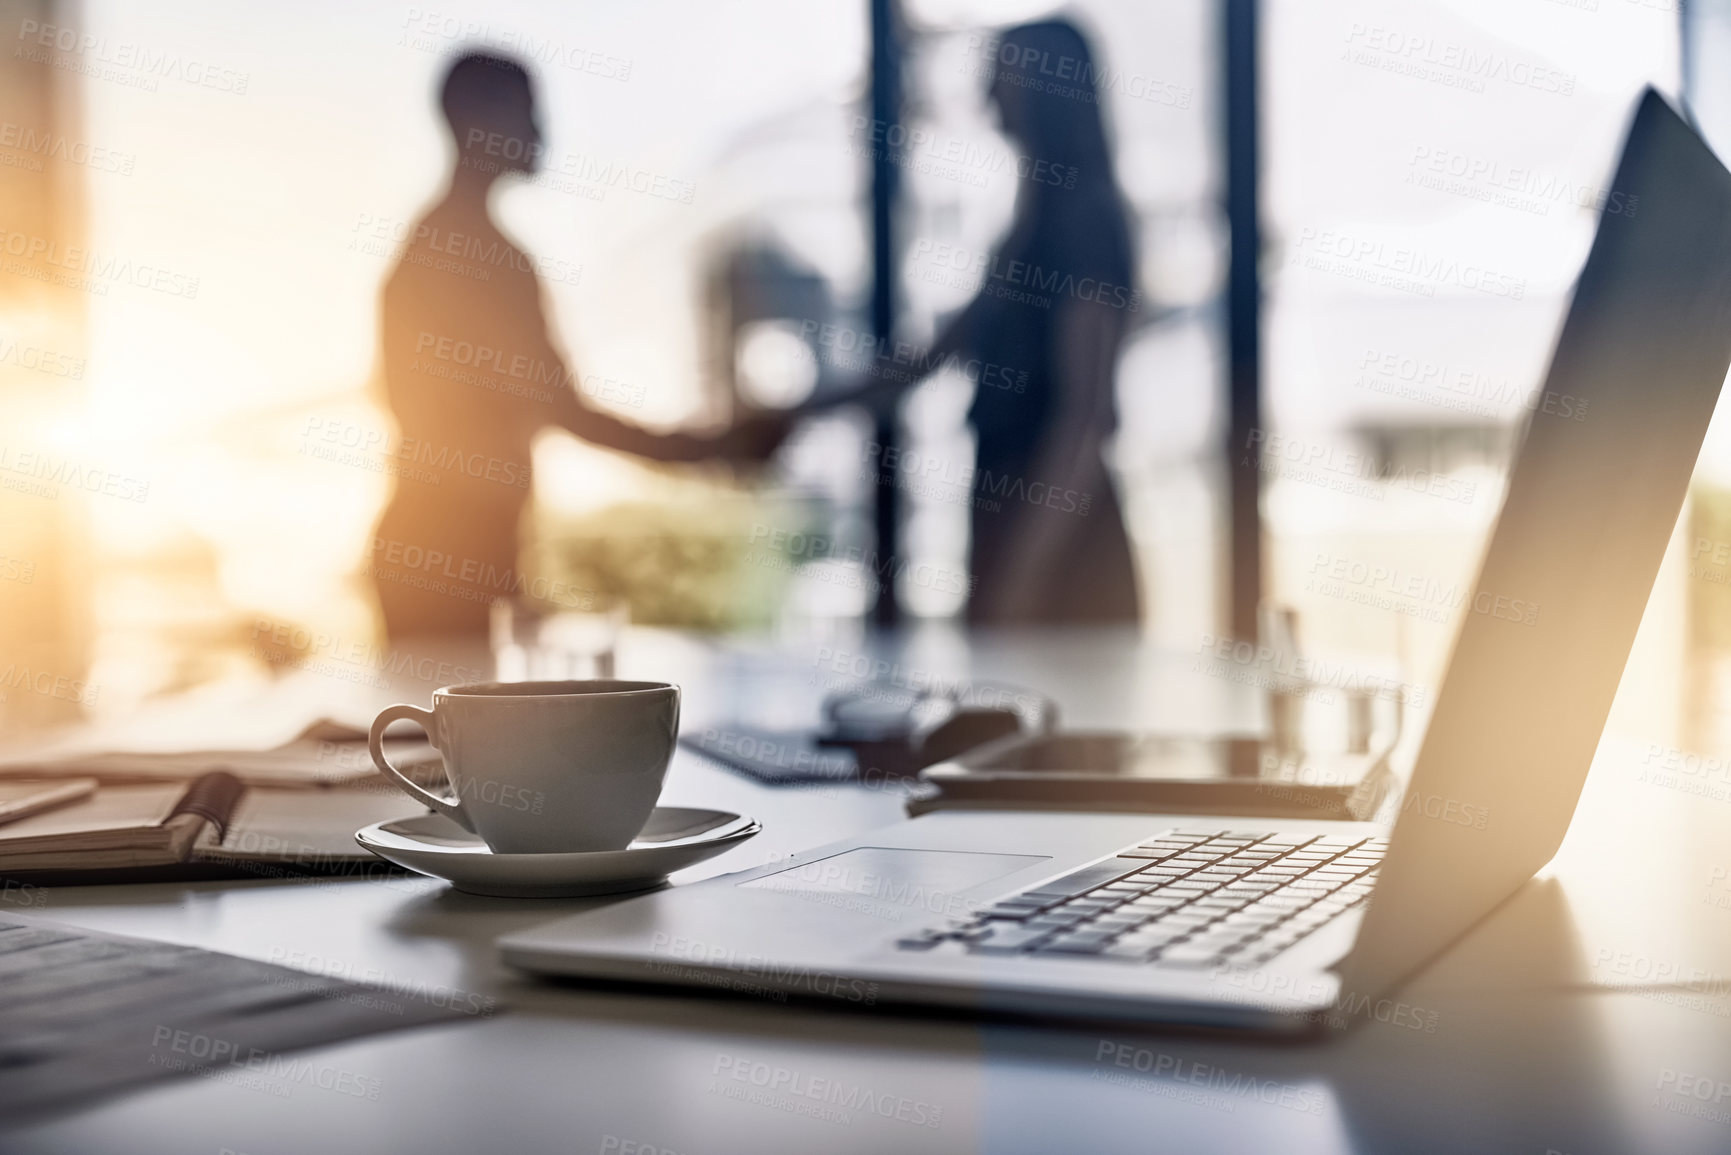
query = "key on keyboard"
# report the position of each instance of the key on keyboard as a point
(1184, 899)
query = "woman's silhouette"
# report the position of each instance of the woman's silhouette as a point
(1048, 535)
(472, 374)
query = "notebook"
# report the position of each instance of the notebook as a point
(327, 753)
(216, 823)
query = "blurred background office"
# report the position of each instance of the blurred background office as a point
(737, 203)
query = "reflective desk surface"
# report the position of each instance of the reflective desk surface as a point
(1590, 1013)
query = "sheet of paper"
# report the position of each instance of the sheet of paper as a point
(88, 1013)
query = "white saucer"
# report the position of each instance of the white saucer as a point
(674, 837)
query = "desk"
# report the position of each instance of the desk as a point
(1509, 1043)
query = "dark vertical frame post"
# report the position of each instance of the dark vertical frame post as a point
(1243, 318)
(1689, 50)
(886, 111)
(1686, 59)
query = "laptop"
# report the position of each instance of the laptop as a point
(1271, 924)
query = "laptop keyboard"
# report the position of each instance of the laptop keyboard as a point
(1184, 899)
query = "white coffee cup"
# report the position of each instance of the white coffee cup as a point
(545, 767)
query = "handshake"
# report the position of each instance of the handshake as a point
(759, 432)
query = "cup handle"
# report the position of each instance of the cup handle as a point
(375, 745)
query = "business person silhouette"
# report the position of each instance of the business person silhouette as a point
(1055, 300)
(472, 374)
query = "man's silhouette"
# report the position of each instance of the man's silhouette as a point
(472, 374)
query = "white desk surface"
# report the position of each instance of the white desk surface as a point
(1532, 1049)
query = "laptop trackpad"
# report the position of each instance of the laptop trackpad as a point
(871, 876)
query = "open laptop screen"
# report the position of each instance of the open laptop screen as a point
(1592, 499)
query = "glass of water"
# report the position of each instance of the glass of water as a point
(536, 643)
